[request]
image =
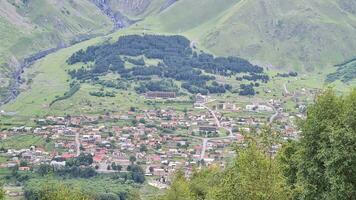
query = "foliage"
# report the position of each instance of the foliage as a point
(102, 94)
(247, 90)
(2, 192)
(67, 171)
(321, 164)
(179, 189)
(136, 173)
(56, 192)
(74, 87)
(256, 77)
(118, 84)
(164, 85)
(82, 159)
(78, 189)
(178, 61)
(344, 73)
(78, 167)
(252, 175)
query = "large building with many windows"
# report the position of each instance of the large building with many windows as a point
(160, 95)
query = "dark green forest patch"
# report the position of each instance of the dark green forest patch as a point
(178, 61)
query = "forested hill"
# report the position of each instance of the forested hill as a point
(177, 61)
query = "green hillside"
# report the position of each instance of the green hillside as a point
(137, 9)
(303, 35)
(28, 27)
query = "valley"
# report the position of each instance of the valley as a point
(147, 99)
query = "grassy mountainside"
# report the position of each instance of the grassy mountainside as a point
(35, 25)
(44, 84)
(303, 35)
(31, 26)
(137, 9)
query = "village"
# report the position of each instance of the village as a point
(160, 141)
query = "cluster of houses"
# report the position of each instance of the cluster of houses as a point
(161, 141)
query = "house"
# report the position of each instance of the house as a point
(169, 125)
(200, 99)
(57, 164)
(158, 172)
(229, 106)
(259, 108)
(24, 168)
(208, 128)
(98, 158)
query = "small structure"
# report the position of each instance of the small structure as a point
(208, 129)
(200, 99)
(160, 95)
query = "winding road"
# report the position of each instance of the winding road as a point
(285, 88)
(273, 117)
(218, 123)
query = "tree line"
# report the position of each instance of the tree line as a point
(178, 61)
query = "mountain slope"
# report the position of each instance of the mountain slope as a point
(303, 35)
(31, 26)
(28, 27)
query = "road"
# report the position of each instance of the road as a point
(77, 142)
(213, 113)
(218, 124)
(203, 150)
(285, 88)
(273, 117)
(231, 135)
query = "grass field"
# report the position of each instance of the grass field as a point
(25, 141)
(4, 172)
(3, 159)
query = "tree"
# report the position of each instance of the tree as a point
(253, 175)
(2, 192)
(143, 148)
(132, 109)
(179, 189)
(132, 159)
(322, 164)
(23, 163)
(118, 167)
(136, 173)
(44, 169)
(142, 121)
(203, 181)
(288, 159)
(62, 192)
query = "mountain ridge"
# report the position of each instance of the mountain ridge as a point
(306, 36)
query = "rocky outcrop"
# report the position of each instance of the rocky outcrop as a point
(120, 11)
(120, 21)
